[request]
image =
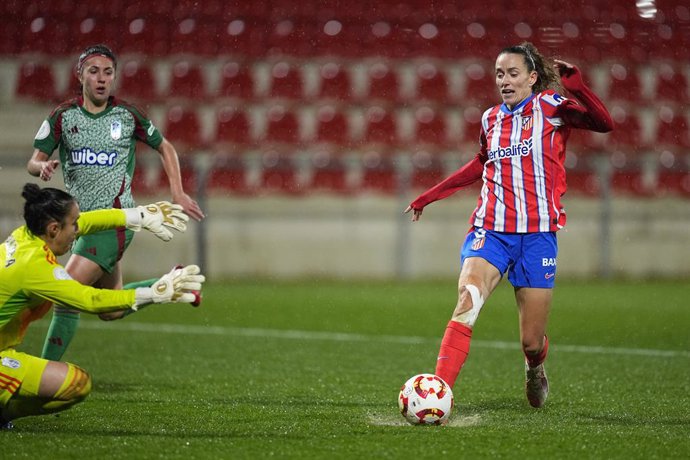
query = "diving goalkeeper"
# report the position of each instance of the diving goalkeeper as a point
(32, 280)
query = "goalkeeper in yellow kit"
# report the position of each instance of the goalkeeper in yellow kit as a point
(32, 280)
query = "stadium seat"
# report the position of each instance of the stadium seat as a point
(427, 168)
(147, 37)
(92, 29)
(432, 84)
(9, 31)
(236, 80)
(671, 85)
(287, 37)
(624, 83)
(582, 177)
(242, 37)
(337, 38)
(335, 82)
(379, 173)
(44, 34)
(672, 127)
(629, 176)
(480, 85)
(627, 134)
(328, 171)
(471, 125)
(386, 39)
(383, 83)
(331, 125)
(380, 126)
(430, 127)
(436, 39)
(286, 81)
(194, 36)
(187, 81)
(673, 173)
(36, 81)
(228, 174)
(282, 126)
(279, 173)
(183, 129)
(233, 128)
(136, 82)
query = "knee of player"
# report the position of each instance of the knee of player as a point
(78, 386)
(531, 346)
(470, 302)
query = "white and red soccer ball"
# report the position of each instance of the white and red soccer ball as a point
(426, 399)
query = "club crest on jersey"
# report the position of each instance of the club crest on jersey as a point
(11, 363)
(116, 130)
(527, 123)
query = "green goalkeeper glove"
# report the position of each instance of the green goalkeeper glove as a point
(175, 287)
(157, 218)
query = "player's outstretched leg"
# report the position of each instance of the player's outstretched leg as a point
(453, 352)
(536, 383)
(62, 328)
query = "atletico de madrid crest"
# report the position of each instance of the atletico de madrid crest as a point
(527, 123)
(478, 243)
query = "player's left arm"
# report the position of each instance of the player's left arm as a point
(171, 164)
(590, 113)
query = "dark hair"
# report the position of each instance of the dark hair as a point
(547, 77)
(96, 50)
(45, 205)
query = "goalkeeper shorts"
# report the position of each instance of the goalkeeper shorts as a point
(17, 370)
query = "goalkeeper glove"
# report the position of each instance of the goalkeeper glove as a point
(157, 218)
(178, 286)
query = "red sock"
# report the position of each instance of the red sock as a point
(538, 358)
(454, 349)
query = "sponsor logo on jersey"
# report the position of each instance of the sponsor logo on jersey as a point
(86, 156)
(514, 150)
(116, 130)
(43, 131)
(548, 262)
(11, 363)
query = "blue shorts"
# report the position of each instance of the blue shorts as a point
(529, 258)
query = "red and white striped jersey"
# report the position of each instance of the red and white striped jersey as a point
(523, 152)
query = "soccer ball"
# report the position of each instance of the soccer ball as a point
(426, 399)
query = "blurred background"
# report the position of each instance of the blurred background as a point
(305, 128)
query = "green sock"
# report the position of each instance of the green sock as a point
(60, 333)
(142, 283)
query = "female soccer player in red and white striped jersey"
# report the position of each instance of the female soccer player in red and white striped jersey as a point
(521, 161)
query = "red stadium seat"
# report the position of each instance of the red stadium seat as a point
(287, 37)
(183, 129)
(93, 29)
(674, 174)
(432, 84)
(672, 85)
(233, 127)
(672, 128)
(335, 82)
(136, 82)
(480, 85)
(187, 81)
(387, 39)
(383, 83)
(286, 81)
(36, 81)
(148, 37)
(435, 39)
(228, 174)
(332, 126)
(279, 172)
(242, 37)
(427, 168)
(430, 127)
(194, 36)
(628, 175)
(9, 31)
(282, 126)
(45, 34)
(328, 171)
(625, 83)
(627, 134)
(380, 126)
(471, 126)
(334, 37)
(379, 173)
(236, 81)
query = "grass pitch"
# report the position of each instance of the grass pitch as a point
(313, 370)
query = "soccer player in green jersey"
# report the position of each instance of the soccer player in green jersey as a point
(95, 135)
(32, 280)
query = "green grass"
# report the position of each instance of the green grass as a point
(313, 369)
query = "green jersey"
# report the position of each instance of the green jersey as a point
(97, 150)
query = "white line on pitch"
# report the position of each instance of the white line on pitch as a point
(350, 337)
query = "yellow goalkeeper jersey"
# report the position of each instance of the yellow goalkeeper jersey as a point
(32, 280)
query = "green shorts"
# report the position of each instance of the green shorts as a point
(104, 248)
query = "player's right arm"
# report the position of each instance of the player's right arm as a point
(40, 165)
